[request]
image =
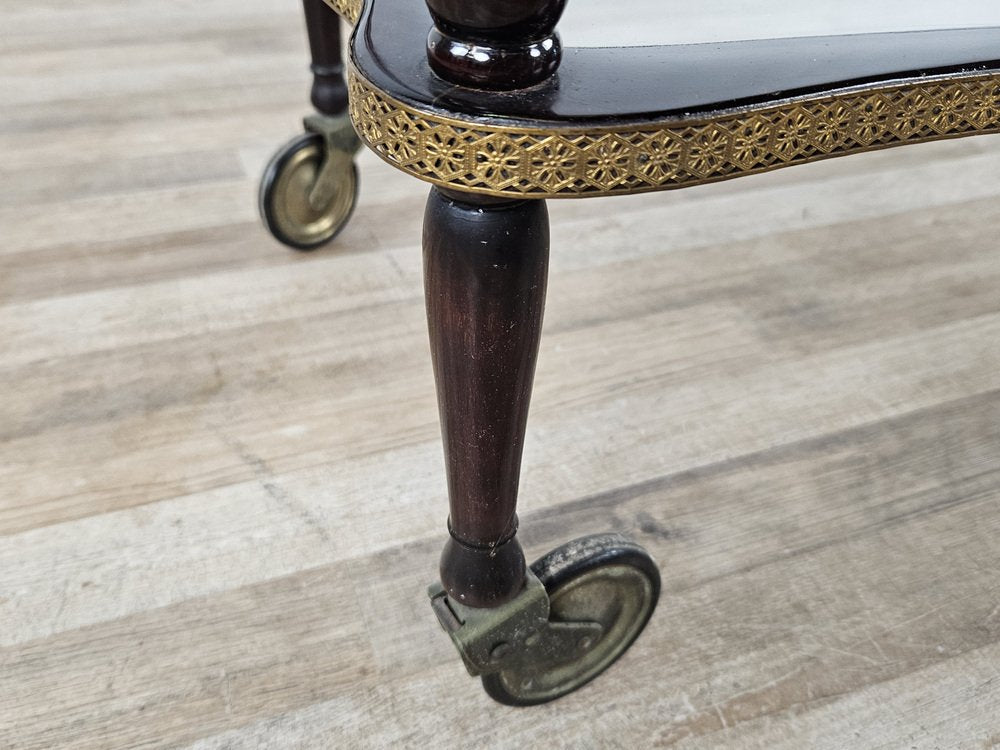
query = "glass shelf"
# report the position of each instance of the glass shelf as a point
(618, 23)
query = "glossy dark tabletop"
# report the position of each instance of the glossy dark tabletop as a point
(654, 83)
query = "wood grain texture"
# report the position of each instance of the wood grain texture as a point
(221, 480)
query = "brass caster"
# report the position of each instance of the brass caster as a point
(310, 186)
(584, 604)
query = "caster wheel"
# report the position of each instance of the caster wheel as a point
(603, 578)
(288, 198)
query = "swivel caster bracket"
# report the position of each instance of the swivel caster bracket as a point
(342, 143)
(582, 606)
(516, 635)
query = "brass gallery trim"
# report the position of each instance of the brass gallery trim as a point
(540, 162)
(349, 10)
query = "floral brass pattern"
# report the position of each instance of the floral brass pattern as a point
(349, 10)
(501, 160)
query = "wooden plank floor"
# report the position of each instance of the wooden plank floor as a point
(221, 481)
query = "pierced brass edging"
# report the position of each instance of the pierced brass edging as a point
(349, 10)
(582, 162)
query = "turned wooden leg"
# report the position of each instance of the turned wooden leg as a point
(485, 268)
(329, 90)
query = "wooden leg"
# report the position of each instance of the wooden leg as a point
(329, 90)
(485, 268)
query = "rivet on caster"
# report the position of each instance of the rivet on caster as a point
(583, 605)
(310, 185)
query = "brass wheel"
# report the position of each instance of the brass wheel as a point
(288, 201)
(603, 578)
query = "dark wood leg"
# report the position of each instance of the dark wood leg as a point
(329, 90)
(503, 44)
(485, 268)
